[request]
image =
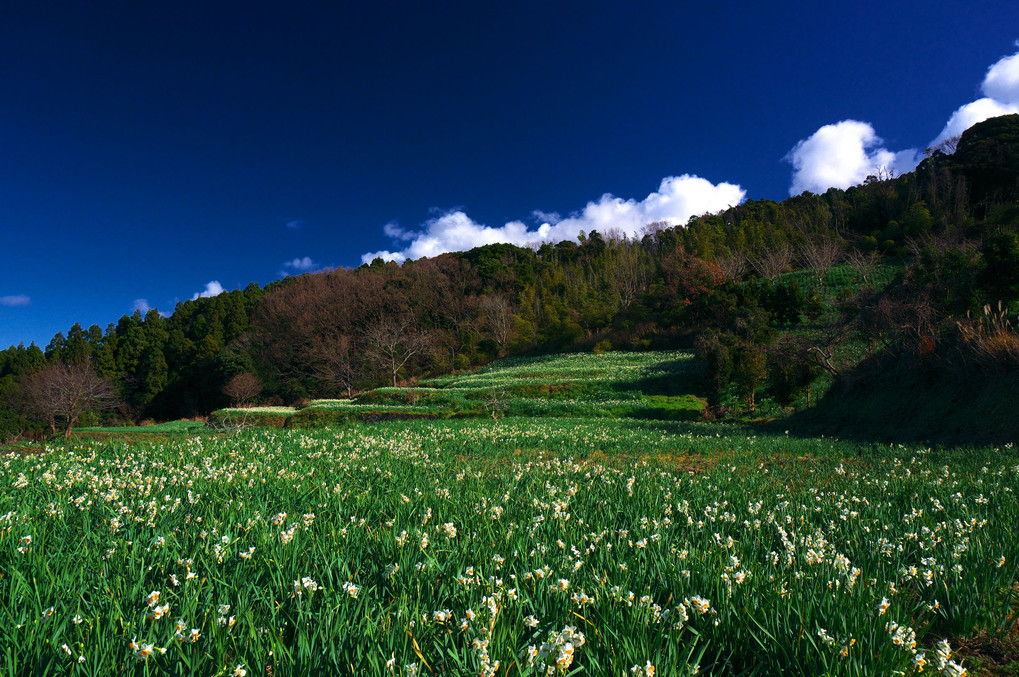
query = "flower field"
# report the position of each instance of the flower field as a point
(517, 546)
(652, 385)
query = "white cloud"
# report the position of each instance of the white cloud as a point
(300, 265)
(970, 114)
(1001, 97)
(213, 288)
(845, 153)
(393, 230)
(293, 224)
(1002, 81)
(15, 301)
(143, 307)
(842, 155)
(675, 201)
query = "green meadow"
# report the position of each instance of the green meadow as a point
(552, 516)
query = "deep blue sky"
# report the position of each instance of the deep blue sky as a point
(147, 149)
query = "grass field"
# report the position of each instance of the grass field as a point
(649, 385)
(518, 546)
(169, 427)
(588, 528)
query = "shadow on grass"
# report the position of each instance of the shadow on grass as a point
(673, 378)
(887, 402)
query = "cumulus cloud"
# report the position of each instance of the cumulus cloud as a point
(299, 265)
(845, 153)
(676, 200)
(842, 155)
(213, 288)
(293, 224)
(966, 116)
(15, 300)
(1002, 80)
(1001, 97)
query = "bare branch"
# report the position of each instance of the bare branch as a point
(242, 387)
(821, 254)
(60, 393)
(774, 261)
(392, 341)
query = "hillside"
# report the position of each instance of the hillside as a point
(779, 300)
(647, 386)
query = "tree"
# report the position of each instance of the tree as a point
(334, 358)
(774, 261)
(999, 278)
(791, 369)
(821, 254)
(733, 266)
(242, 387)
(60, 393)
(864, 263)
(391, 342)
(498, 318)
(749, 371)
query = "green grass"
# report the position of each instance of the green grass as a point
(648, 385)
(156, 428)
(673, 544)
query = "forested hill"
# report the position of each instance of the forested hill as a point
(768, 292)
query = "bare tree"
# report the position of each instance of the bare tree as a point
(498, 318)
(821, 254)
(734, 265)
(949, 145)
(242, 387)
(392, 342)
(630, 277)
(774, 261)
(457, 312)
(60, 393)
(863, 263)
(335, 359)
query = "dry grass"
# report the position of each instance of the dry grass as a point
(992, 338)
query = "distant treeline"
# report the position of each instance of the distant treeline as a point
(719, 283)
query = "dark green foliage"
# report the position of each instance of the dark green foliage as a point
(988, 156)
(999, 279)
(732, 359)
(790, 370)
(784, 300)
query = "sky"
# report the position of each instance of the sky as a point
(154, 152)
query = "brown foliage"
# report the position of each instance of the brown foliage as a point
(60, 393)
(242, 387)
(392, 341)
